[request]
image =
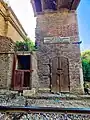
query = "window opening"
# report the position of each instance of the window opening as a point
(23, 62)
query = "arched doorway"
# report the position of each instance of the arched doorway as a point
(60, 75)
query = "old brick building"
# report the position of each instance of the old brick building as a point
(13, 72)
(58, 56)
(10, 32)
(59, 64)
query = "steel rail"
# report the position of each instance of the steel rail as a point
(44, 109)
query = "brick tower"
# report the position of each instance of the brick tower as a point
(57, 37)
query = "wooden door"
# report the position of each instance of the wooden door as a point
(21, 73)
(54, 75)
(64, 73)
(18, 80)
(60, 75)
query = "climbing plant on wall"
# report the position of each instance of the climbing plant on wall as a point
(26, 45)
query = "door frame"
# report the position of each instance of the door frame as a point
(50, 66)
(14, 70)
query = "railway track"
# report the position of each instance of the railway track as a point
(44, 113)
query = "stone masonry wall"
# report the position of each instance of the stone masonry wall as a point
(3, 70)
(35, 82)
(10, 67)
(6, 61)
(6, 45)
(64, 24)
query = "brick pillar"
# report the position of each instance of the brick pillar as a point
(59, 24)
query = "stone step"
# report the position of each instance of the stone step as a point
(66, 96)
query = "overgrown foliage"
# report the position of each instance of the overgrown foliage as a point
(85, 56)
(27, 45)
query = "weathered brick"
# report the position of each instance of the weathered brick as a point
(63, 25)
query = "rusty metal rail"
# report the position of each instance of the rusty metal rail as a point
(44, 113)
(44, 109)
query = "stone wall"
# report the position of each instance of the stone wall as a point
(61, 23)
(5, 70)
(64, 24)
(6, 61)
(6, 45)
(9, 73)
(35, 82)
(9, 24)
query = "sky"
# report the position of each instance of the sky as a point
(84, 24)
(24, 12)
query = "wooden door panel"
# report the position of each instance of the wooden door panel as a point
(64, 75)
(54, 75)
(18, 80)
(60, 75)
(58, 83)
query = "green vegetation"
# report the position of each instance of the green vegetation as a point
(27, 45)
(85, 56)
